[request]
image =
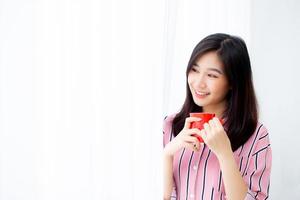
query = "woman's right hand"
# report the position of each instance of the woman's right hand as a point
(184, 139)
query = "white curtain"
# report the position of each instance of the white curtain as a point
(84, 86)
(81, 99)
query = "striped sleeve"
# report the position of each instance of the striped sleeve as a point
(167, 136)
(167, 129)
(258, 173)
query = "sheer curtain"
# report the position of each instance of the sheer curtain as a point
(84, 88)
(81, 99)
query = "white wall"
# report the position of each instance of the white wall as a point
(275, 31)
(81, 99)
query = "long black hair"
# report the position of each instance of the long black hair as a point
(242, 111)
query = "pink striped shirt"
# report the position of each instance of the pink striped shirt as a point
(197, 175)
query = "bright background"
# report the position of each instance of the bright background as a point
(85, 85)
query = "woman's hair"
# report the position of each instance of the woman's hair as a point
(241, 113)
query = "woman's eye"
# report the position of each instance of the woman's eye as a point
(212, 76)
(194, 70)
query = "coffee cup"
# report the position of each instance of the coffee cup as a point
(205, 117)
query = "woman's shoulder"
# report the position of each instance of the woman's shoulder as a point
(261, 130)
(167, 127)
(260, 133)
(168, 121)
(169, 118)
(258, 140)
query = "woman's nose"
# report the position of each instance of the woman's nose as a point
(200, 82)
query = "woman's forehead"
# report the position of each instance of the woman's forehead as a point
(209, 60)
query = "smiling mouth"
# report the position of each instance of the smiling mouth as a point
(201, 94)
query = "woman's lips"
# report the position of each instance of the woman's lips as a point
(201, 95)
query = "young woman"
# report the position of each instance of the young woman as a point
(234, 162)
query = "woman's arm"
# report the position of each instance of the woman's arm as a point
(183, 140)
(234, 184)
(217, 140)
(168, 175)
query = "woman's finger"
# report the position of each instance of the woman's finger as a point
(192, 131)
(207, 127)
(189, 120)
(217, 122)
(203, 135)
(190, 139)
(212, 123)
(191, 142)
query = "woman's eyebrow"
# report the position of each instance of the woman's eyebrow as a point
(215, 70)
(211, 69)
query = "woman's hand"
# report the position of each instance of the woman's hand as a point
(184, 139)
(218, 142)
(215, 137)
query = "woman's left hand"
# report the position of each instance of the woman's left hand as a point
(215, 137)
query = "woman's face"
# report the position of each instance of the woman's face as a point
(208, 83)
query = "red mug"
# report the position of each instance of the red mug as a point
(205, 117)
